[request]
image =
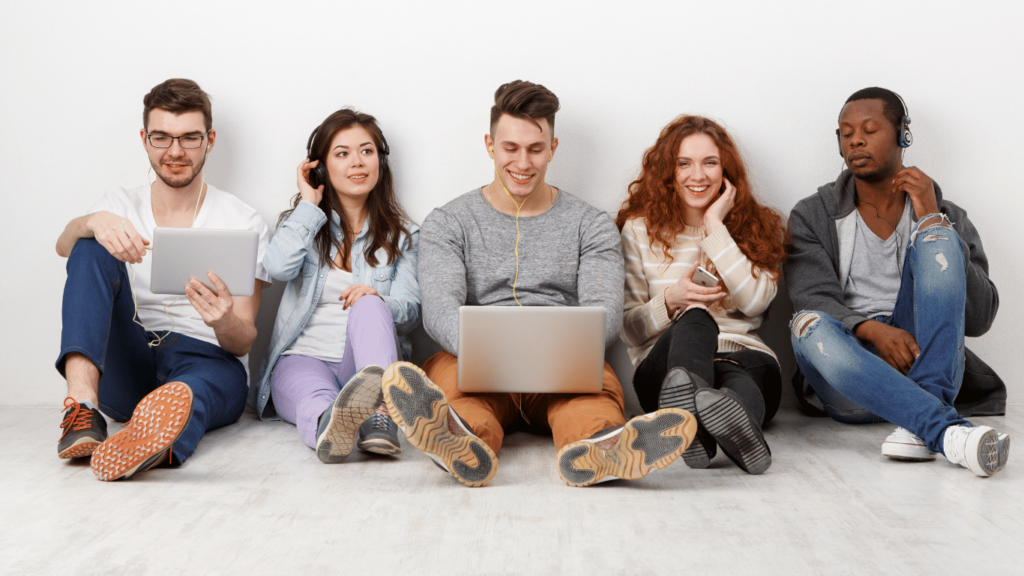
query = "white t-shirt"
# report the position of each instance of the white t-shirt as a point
(220, 210)
(323, 337)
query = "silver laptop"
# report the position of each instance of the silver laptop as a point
(531, 349)
(183, 253)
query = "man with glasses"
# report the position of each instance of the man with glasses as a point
(170, 367)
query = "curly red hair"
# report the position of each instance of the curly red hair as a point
(759, 231)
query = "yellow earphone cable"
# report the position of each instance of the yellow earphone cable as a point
(518, 208)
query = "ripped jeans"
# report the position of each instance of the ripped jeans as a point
(856, 385)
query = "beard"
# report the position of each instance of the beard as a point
(178, 180)
(878, 173)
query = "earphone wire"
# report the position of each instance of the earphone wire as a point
(135, 301)
(519, 207)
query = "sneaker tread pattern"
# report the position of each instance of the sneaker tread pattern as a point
(421, 410)
(645, 443)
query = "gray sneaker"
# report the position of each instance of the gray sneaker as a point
(722, 414)
(356, 402)
(379, 434)
(678, 390)
(84, 430)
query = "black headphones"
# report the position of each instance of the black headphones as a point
(903, 136)
(318, 174)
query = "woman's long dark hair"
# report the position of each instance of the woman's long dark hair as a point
(387, 218)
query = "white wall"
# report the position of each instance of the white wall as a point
(73, 77)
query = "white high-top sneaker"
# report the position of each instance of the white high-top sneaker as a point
(980, 449)
(903, 444)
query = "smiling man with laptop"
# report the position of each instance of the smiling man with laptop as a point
(171, 367)
(519, 242)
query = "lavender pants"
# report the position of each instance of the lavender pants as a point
(304, 387)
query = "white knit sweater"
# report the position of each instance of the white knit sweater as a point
(648, 274)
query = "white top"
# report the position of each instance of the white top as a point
(220, 210)
(323, 337)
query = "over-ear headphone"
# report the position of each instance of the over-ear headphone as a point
(318, 174)
(904, 138)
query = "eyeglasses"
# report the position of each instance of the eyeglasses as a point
(188, 141)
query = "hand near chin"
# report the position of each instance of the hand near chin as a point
(715, 215)
(919, 188)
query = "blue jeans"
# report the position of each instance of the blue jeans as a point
(97, 317)
(856, 385)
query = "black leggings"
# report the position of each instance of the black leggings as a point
(692, 343)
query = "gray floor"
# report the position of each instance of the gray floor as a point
(254, 500)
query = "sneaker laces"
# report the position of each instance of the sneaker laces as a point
(954, 444)
(381, 420)
(77, 419)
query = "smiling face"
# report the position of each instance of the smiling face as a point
(353, 164)
(698, 174)
(522, 150)
(177, 167)
(867, 140)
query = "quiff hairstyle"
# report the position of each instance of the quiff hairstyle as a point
(524, 100)
(177, 95)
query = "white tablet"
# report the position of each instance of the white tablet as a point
(180, 254)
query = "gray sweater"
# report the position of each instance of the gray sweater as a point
(568, 256)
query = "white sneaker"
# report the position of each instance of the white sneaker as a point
(980, 449)
(903, 444)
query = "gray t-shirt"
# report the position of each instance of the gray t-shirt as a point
(876, 270)
(568, 256)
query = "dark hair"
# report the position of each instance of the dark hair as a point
(386, 216)
(757, 230)
(177, 95)
(525, 100)
(892, 105)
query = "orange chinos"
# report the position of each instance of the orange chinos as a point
(570, 417)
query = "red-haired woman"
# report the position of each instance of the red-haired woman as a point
(703, 260)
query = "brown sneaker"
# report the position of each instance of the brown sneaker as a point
(84, 430)
(630, 451)
(421, 410)
(146, 439)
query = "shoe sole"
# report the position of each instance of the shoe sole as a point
(421, 410)
(155, 425)
(907, 452)
(356, 402)
(992, 451)
(734, 431)
(381, 446)
(83, 448)
(645, 443)
(680, 395)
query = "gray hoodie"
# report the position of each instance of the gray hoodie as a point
(822, 227)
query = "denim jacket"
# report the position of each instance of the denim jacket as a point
(292, 257)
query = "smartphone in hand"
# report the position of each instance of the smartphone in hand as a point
(702, 277)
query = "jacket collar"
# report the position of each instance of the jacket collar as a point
(840, 196)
